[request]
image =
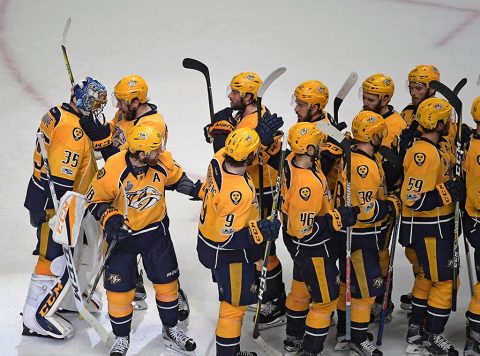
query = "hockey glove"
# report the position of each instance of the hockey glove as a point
(264, 230)
(466, 133)
(114, 225)
(267, 127)
(394, 205)
(221, 124)
(408, 136)
(99, 134)
(196, 189)
(451, 191)
(343, 216)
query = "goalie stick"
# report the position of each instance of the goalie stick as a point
(68, 22)
(342, 93)
(453, 99)
(345, 143)
(194, 64)
(68, 253)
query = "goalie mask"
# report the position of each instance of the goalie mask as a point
(90, 96)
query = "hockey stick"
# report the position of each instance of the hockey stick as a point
(68, 253)
(261, 91)
(64, 50)
(191, 63)
(457, 105)
(345, 143)
(388, 283)
(269, 350)
(342, 93)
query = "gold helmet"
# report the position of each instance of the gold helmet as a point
(241, 142)
(476, 110)
(379, 84)
(146, 138)
(312, 92)
(423, 73)
(366, 124)
(303, 134)
(131, 87)
(246, 82)
(433, 110)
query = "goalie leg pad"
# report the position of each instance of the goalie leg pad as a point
(39, 313)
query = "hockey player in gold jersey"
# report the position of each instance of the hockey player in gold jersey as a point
(243, 90)
(471, 227)
(72, 165)
(369, 192)
(429, 194)
(130, 97)
(309, 221)
(376, 93)
(128, 198)
(230, 234)
(418, 81)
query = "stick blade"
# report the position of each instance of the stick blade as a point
(269, 80)
(347, 86)
(68, 22)
(194, 64)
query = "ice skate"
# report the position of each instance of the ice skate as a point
(272, 314)
(438, 345)
(365, 348)
(120, 346)
(415, 339)
(406, 301)
(293, 343)
(175, 339)
(183, 307)
(376, 314)
(472, 344)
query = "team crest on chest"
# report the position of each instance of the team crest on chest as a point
(362, 170)
(143, 199)
(235, 196)
(419, 158)
(305, 193)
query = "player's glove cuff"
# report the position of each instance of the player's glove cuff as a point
(255, 232)
(109, 212)
(335, 219)
(444, 194)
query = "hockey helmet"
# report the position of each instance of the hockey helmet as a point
(246, 82)
(145, 138)
(423, 73)
(312, 92)
(378, 84)
(366, 124)
(476, 110)
(433, 110)
(131, 87)
(303, 134)
(241, 143)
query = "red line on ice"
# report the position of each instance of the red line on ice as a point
(12, 64)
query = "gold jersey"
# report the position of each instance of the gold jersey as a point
(120, 126)
(471, 167)
(70, 157)
(409, 114)
(395, 125)
(140, 197)
(305, 195)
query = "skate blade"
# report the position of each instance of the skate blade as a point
(416, 350)
(139, 305)
(341, 346)
(174, 347)
(277, 322)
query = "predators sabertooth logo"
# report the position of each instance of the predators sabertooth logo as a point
(378, 282)
(114, 278)
(362, 170)
(305, 193)
(143, 199)
(419, 159)
(235, 196)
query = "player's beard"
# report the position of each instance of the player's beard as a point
(152, 162)
(377, 109)
(130, 114)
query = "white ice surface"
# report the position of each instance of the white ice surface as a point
(108, 39)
